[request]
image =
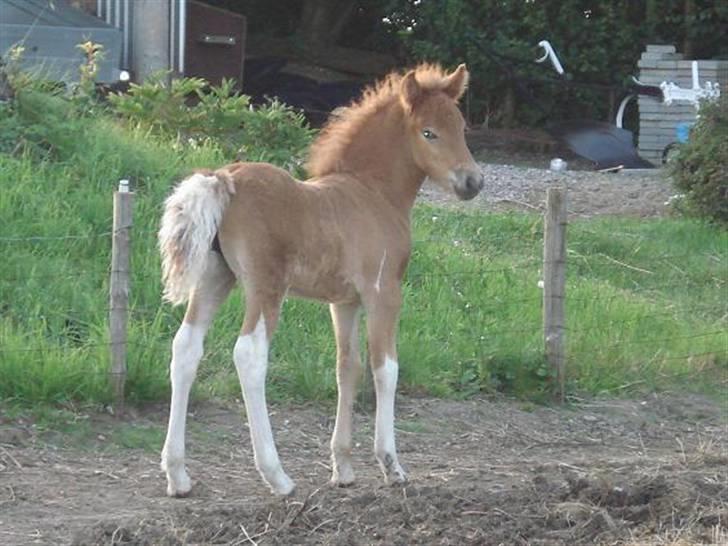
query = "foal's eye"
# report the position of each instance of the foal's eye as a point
(428, 134)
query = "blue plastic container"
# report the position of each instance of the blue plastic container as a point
(682, 131)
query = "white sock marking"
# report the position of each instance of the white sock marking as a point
(186, 355)
(386, 380)
(251, 362)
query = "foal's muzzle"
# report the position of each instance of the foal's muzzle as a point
(468, 183)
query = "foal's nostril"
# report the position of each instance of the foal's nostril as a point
(474, 183)
(468, 184)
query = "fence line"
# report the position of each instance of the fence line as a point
(43, 238)
(54, 276)
(445, 240)
(138, 276)
(666, 340)
(548, 271)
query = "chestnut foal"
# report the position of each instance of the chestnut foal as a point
(341, 237)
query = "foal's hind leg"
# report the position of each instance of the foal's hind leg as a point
(187, 350)
(346, 327)
(251, 362)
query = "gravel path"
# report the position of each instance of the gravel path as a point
(510, 187)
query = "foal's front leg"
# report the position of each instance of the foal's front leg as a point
(346, 328)
(382, 315)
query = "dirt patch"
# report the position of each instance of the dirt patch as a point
(482, 472)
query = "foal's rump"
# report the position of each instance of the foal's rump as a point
(195, 212)
(189, 224)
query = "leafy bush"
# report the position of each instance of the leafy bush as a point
(700, 169)
(195, 111)
(33, 112)
(50, 120)
(40, 122)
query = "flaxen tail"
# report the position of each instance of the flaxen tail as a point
(191, 218)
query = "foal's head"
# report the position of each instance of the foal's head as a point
(436, 130)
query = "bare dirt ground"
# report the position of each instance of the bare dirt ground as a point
(487, 471)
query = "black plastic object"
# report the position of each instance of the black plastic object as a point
(607, 145)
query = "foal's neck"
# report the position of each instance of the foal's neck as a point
(381, 158)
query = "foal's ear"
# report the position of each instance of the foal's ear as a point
(409, 90)
(457, 82)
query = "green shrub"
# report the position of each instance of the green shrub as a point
(194, 111)
(54, 122)
(700, 169)
(159, 104)
(32, 108)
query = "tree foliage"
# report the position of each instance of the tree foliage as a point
(598, 43)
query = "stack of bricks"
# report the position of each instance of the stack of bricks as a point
(658, 122)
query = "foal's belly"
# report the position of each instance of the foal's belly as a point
(321, 285)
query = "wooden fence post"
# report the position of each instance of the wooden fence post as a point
(554, 284)
(119, 290)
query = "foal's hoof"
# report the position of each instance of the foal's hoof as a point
(178, 493)
(180, 489)
(341, 483)
(179, 484)
(342, 476)
(283, 486)
(393, 473)
(396, 477)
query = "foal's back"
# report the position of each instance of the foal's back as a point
(319, 239)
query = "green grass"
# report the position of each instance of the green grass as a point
(643, 295)
(89, 427)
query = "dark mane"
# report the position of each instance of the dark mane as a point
(327, 150)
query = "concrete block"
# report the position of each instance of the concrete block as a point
(667, 65)
(662, 132)
(660, 48)
(655, 143)
(661, 57)
(647, 63)
(712, 65)
(668, 134)
(652, 145)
